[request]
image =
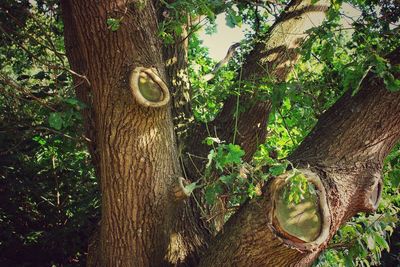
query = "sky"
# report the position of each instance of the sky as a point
(219, 42)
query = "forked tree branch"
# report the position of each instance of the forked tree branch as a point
(338, 155)
(272, 58)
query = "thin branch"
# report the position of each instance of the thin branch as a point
(286, 126)
(60, 55)
(263, 4)
(9, 81)
(63, 134)
(193, 30)
(50, 66)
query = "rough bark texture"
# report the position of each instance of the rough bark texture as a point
(136, 145)
(346, 149)
(191, 235)
(133, 147)
(247, 240)
(176, 60)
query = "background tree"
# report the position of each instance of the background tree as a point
(151, 118)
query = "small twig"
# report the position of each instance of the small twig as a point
(190, 157)
(50, 66)
(286, 126)
(183, 166)
(195, 156)
(193, 30)
(63, 134)
(21, 89)
(342, 245)
(235, 131)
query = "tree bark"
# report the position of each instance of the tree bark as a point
(137, 154)
(176, 60)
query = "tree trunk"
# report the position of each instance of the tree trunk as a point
(138, 160)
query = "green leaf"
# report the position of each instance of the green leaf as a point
(40, 140)
(190, 187)
(211, 140)
(210, 157)
(381, 242)
(370, 242)
(113, 24)
(251, 191)
(75, 103)
(227, 179)
(392, 84)
(56, 120)
(278, 169)
(234, 155)
(380, 64)
(349, 261)
(277, 95)
(395, 177)
(232, 19)
(218, 189)
(354, 76)
(71, 101)
(209, 13)
(210, 195)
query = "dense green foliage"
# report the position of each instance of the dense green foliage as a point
(48, 192)
(49, 201)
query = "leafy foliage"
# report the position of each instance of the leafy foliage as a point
(48, 191)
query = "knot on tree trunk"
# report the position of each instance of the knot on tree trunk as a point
(147, 87)
(303, 224)
(359, 189)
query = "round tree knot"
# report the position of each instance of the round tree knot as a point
(302, 222)
(147, 87)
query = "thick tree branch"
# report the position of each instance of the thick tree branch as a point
(367, 141)
(345, 150)
(278, 56)
(272, 58)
